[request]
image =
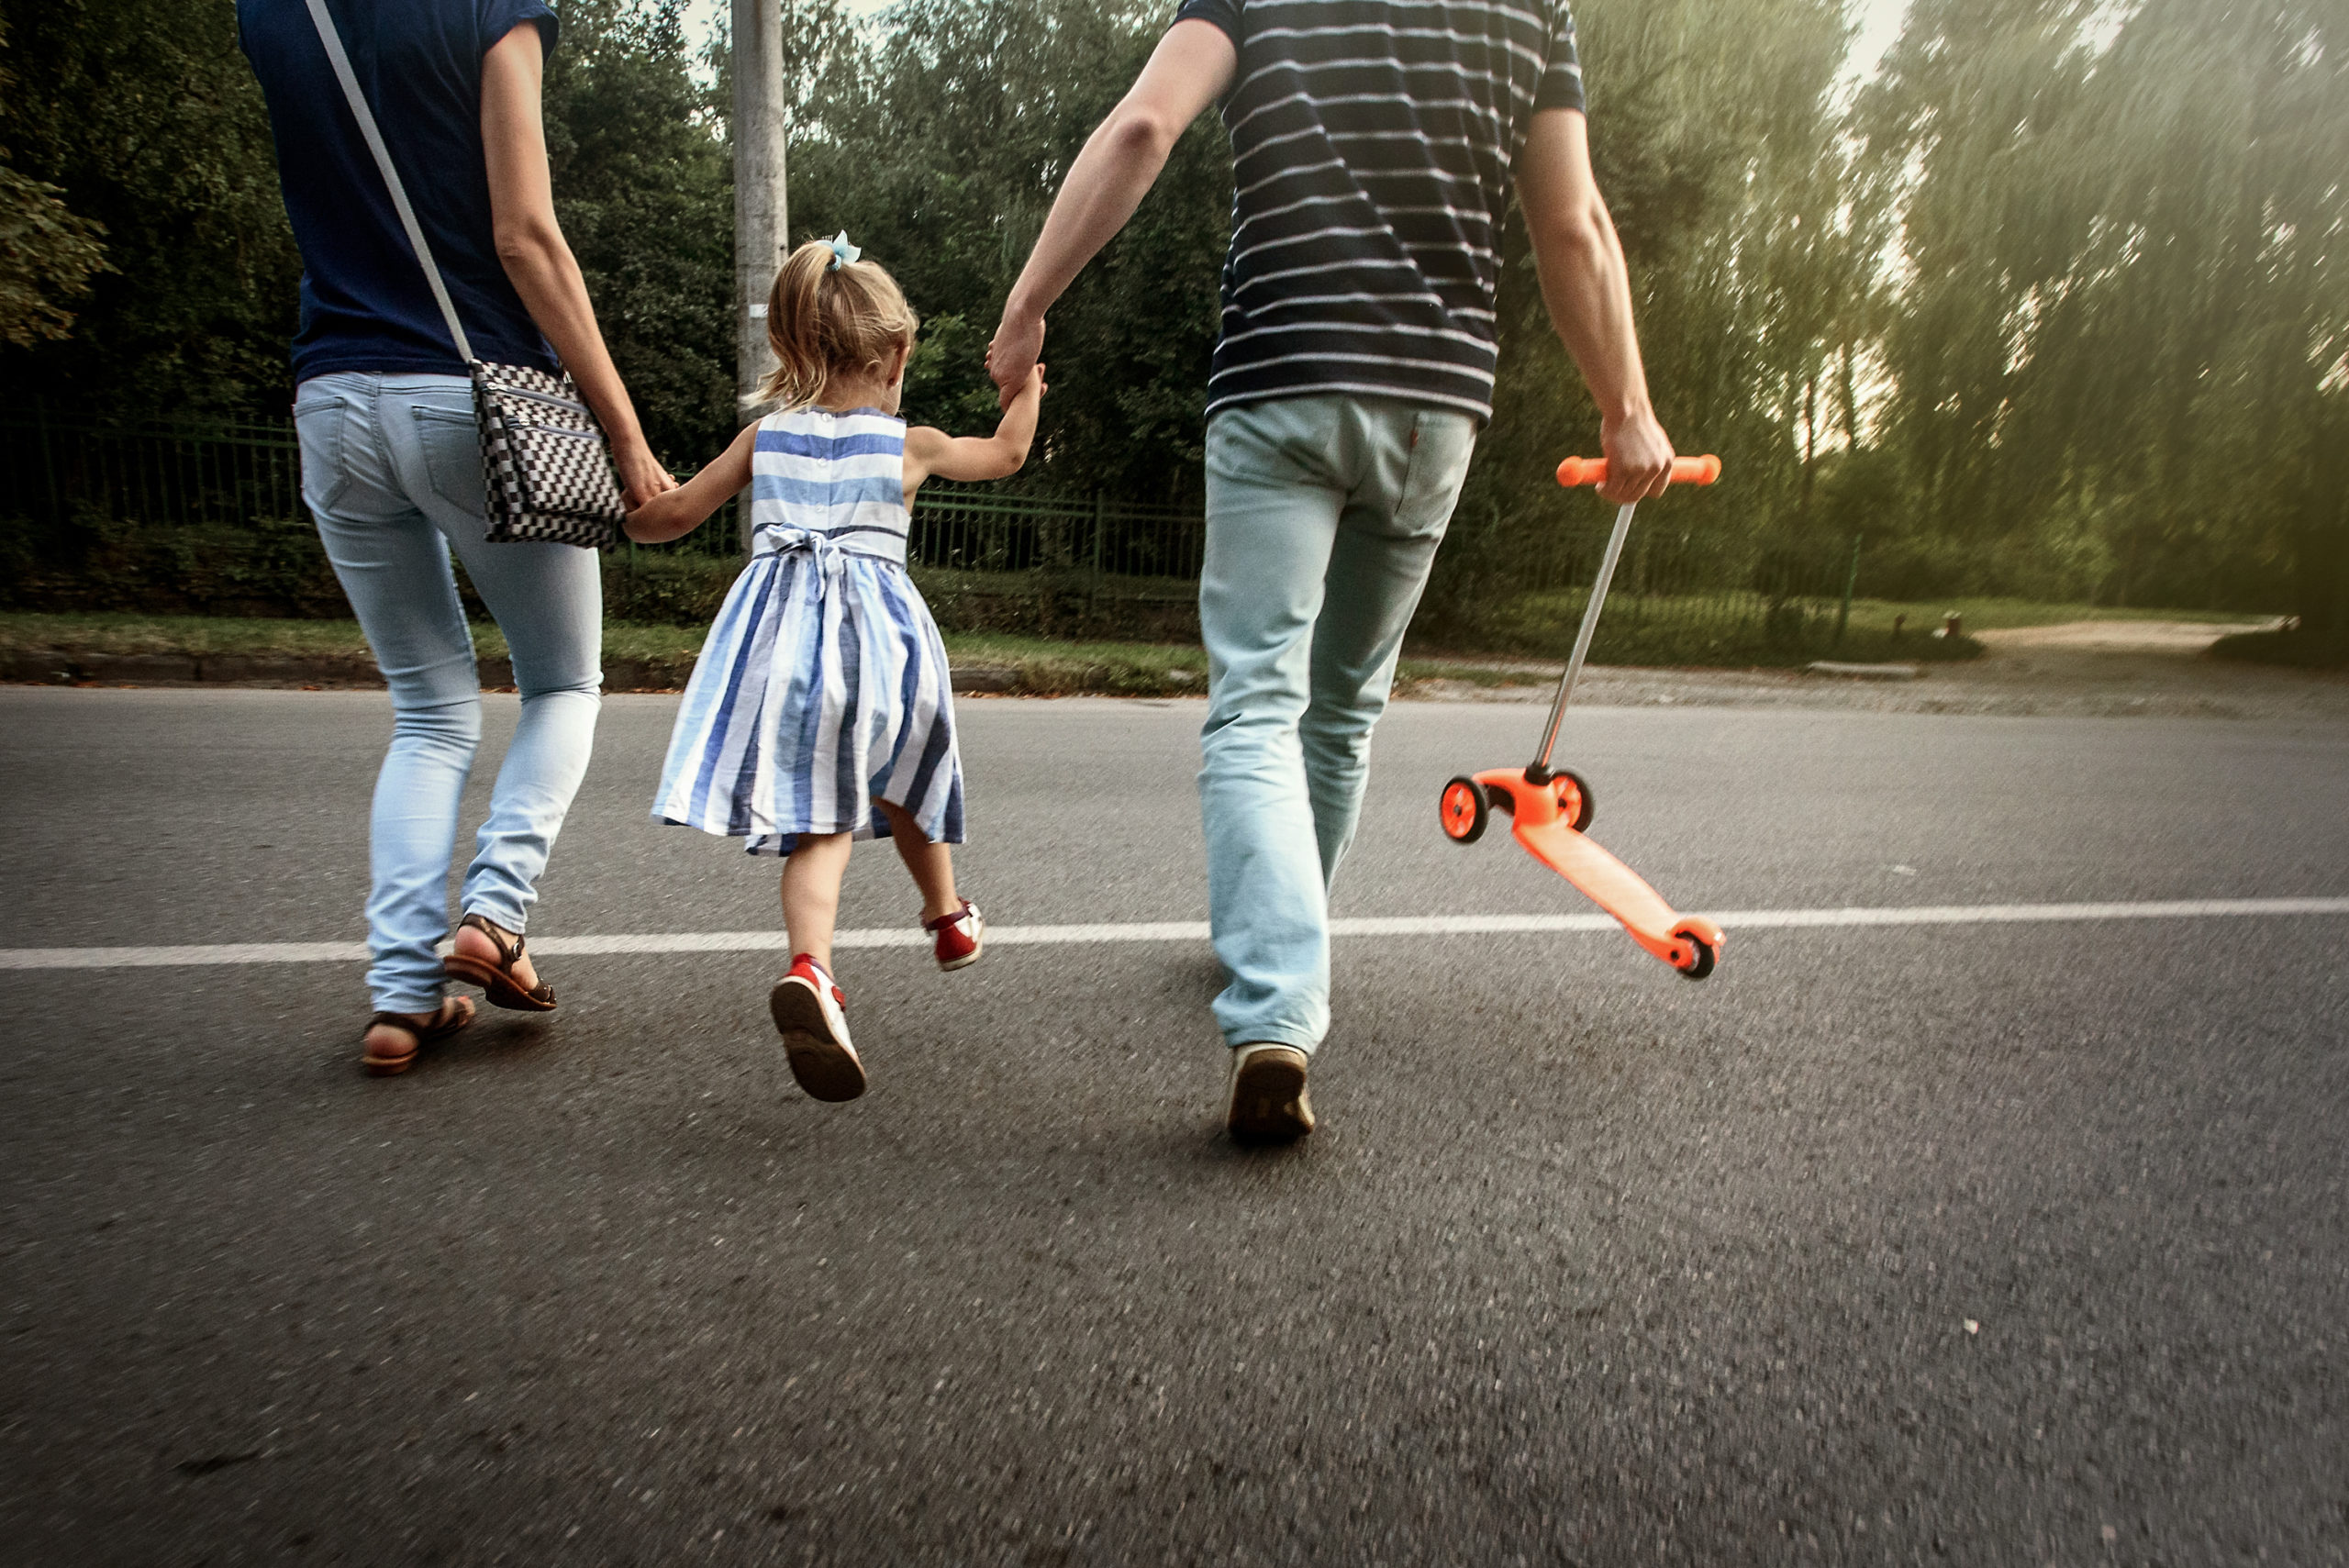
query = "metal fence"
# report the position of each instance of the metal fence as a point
(56, 468)
(1712, 583)
(1708, 588)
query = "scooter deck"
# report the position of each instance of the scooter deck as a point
(1618, 889)
(1540, 821)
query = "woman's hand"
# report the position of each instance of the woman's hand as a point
(641, 475)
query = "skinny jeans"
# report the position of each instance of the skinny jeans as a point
(392, 472)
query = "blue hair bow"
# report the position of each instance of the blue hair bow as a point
(843, 252)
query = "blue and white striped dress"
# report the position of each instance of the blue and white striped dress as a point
(822, 687)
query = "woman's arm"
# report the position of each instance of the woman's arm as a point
(677, 512)
(935, 453)
(538, 259)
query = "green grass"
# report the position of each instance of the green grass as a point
(1722, 631)
(116, 633)
(1538, 625)
(1044, 667)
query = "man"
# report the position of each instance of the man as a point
(1374, 145)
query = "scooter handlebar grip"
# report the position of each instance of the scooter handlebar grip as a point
(1577, 471)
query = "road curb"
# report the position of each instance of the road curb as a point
(1863, 671)
(71, 667)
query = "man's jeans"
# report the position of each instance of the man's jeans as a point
(390, 469)
(1323, 517)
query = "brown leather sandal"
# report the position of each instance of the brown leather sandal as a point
(499, 988)
(453, 1014)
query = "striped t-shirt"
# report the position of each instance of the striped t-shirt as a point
(1372, 143)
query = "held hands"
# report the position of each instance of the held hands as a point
(1012, 354)
(1639, 457)
(1030, 391)
(641, 473)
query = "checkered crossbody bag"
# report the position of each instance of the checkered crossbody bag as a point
(548, 469)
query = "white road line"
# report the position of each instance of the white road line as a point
(1732, 920)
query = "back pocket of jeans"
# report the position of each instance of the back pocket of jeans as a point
(451, 444)
(318, 427)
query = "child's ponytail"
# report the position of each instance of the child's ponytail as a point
(825, 321)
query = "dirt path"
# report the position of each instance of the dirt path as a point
(2084, 669)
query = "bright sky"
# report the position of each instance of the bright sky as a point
(1879, 24)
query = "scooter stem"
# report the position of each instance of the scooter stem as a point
(1540, 772)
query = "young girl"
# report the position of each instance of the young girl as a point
(820, 709)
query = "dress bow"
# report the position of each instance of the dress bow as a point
(829, 557)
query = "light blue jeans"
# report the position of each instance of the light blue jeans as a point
(390, 469)
(1323, 517)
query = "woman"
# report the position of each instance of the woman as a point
(390, 463)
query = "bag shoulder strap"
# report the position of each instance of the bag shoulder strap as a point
(366, 118)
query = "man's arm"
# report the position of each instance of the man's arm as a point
(1588, 291)
(539, 259)
(1192, 63)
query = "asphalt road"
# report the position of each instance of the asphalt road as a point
(1985, 1244)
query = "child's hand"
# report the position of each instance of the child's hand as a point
(673, 514)
(934, 452)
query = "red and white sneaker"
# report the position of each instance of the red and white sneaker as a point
(961, 937)
(808, 1009)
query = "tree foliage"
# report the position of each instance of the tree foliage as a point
(644, 189)
(938, 145)
(47, 254)
(2053, 304)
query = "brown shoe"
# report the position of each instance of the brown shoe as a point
(1269, 1104)
(384, 1058)
(497, 982)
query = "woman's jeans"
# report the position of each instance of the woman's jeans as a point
(1323, 517)
(390, 469)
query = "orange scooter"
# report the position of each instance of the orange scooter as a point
(1547, 811)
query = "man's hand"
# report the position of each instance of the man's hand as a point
(1192, 63)
(1588, 288)
(1012, 354)
(1639, 457)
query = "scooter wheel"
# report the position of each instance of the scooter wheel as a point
(1462, 810)
(1585, 804)
(1707, 955)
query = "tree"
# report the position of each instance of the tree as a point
(143, 120)
(47, 254)
(643, 186)
(2116, 361)
(938, 146)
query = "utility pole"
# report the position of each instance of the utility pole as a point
(760, 224)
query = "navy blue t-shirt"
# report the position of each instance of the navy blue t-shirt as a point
(365, 306)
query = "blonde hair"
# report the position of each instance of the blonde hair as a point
(825, 321)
